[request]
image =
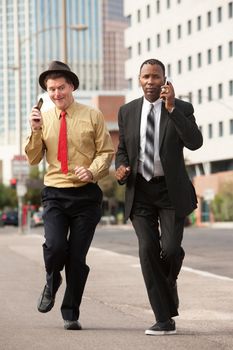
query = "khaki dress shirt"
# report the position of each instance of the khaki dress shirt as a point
(89, 145)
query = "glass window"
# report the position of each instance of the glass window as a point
(148, 11)
(209, 93)
(220, 129)
(189, 24)
(130, 52)
(199, 23)
(179, 67)
(168, 4)
(210, 131)
(158, 40)
(199, 59)
(189, 63)
(219, 14)
(231, 126)
(209, 19)
(139, 16)
(230, 48)
(209, 56)
(199, 96)
(230, 9)
(148, 44)
(139, 49)
(220, 90)
(130, 83)
(168, 36)
(158, 6)
(179, 31)
(220, 52)
(169, 70)
(231, 87)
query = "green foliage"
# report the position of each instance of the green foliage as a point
(8, 197)
(222, 205)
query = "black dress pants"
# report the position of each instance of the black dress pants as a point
(70, 218)
(160, 234)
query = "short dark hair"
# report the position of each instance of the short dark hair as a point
(57, 75)
(153, 61)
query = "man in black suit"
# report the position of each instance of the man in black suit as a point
(153, 130)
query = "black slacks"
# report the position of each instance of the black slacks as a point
(70, 218)
(160, 234)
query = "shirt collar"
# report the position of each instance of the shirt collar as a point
(69, 110)
(156, 104)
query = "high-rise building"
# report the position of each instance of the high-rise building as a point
(35, 32)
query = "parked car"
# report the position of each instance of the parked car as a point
(10, 218)
(37, 219)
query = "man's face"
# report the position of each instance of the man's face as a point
(151, 79)
(60, 92)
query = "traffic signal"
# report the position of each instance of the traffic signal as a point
(13, 183)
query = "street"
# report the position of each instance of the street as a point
(115, 309)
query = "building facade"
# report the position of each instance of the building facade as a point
(35, 32)
(195, 42)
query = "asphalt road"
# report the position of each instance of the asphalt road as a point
(207, 249)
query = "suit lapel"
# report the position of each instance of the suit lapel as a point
(163, 124)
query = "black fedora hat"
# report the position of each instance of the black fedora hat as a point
(59, 67)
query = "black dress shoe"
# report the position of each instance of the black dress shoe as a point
(46, 300)
(162, 328)
(72, 325)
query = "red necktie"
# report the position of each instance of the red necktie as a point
(62, 144)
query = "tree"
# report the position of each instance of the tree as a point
(8, 197)
(222, 205)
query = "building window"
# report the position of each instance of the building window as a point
(168, 4)
(139, 16)
(199, 59)
(148, 11)
(230, 9)
(169, 70)
(230, 48)
(199, 23)
(210, 131)
(148, 44)
(220, 52)
(179, 31)
(220, 129)
(189, 63)
(158, 40)
(219, 14)
(220, 91)
(158, 6)
(129, 20)
(209, 93)
(209, 19)
(231, 87)
(199, 96)
(179, 67)
(231, 126)
(168, 36)
(139, 49)
(200, 128)
(209, 56)
(189, 27)
(130, 52)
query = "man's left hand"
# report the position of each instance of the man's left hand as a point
(83, 174)
(168, 96)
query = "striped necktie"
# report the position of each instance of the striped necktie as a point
(62, 144)
(148, 165)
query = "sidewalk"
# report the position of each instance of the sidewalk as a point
(115, 310)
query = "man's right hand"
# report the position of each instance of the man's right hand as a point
(35, 119)
(122, 172)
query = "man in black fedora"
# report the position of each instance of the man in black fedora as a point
(79, 152)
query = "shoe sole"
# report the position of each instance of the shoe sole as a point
(150, 332)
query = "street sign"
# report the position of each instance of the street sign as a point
(21, 189)
(20, 167)
(209, 194)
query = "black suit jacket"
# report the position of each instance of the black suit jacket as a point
(177, 130)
